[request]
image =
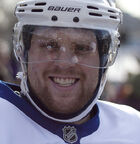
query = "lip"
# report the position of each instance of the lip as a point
(57, 86)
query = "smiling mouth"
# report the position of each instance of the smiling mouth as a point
(64, 82)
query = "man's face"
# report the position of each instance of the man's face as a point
(63, 86)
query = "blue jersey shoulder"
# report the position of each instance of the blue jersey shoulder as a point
(14, 87)
(7, 88)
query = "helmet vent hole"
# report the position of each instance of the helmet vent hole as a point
(111, 11)
(21, 10)
(76, 19)
(95, 14)
(23, 5)
(54, 18)
(92, 7)
(40, 4)
(113, 17)
(37, 10)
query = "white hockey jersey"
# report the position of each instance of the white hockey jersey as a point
(21, 123)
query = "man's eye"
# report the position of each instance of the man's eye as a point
(82, 49)
(51, 45)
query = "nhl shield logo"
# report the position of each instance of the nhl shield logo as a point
(69, 134)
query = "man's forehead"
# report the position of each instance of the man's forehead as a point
(59, 31)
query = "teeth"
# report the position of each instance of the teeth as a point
(64, 81)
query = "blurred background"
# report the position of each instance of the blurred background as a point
(123, 84)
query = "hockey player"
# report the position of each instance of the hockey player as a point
(65, 48)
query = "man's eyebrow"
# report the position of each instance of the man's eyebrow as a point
(82, 42)
(37, 36)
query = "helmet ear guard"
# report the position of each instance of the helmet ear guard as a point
(18, 52)
(115, 36)
(16, 42)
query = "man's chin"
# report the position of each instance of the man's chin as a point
(64, 103)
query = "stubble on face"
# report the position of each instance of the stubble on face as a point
(63, 102)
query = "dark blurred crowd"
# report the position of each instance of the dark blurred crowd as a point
(127, 93)
(8, 67)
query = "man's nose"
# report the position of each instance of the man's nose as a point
(65, 58)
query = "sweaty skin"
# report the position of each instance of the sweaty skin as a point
(63, 87)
